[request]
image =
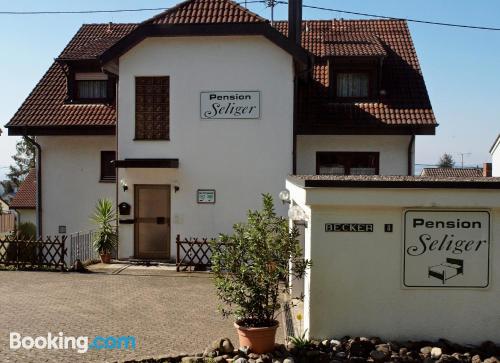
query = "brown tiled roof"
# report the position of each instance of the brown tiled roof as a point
(26, 195)
(206, 12)
(452, 172)
(406, 101)
(93, 39)
(45, 106)
(339, 44)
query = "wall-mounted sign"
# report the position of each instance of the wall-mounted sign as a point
(205, 196)
(230, 105)
(348, 227)
(444, 248)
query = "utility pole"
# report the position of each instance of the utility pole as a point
(462, 157)
(271, 4)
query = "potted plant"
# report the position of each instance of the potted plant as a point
(251, 270)
(105, 237)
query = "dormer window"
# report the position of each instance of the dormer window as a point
(92, 86)
(353, 84)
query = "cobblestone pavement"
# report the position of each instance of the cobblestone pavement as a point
(168, 313)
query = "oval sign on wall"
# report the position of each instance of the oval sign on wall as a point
(229, 105)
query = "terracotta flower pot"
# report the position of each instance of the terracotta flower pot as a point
(105, 257)
(259, 340)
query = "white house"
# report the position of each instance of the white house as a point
(495, 157)
(186, 118)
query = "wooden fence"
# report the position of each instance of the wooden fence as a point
(40, 254)
(193, 254)
(7, 222)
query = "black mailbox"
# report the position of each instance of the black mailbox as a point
(124, 209)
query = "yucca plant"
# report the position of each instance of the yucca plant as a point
(105, 238)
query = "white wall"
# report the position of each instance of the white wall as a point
(70, 180)
(393, 150)
(355, 284)
(239, 158)
(26, 215)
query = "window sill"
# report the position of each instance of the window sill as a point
(107, 181)
(135, 139)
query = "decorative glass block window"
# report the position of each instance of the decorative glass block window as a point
(353, 85)
(152, 108)
(108, 170)
(347, 163)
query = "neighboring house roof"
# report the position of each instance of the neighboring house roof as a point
(452, 172)
(25, 197)
(405, 105)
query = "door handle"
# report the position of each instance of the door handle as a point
(160, 220)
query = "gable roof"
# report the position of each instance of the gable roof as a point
(204, 12)
(405, 108)
(25, 197)
(205, 18)
(91, 40)
(495, 145)
(452, 172)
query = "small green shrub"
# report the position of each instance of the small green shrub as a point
(250, 266)
(26, 231)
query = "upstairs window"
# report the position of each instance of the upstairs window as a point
(352, 84)
(91, 89)
(92, 86)
(108, 170)
(347, 163)
(152, 108)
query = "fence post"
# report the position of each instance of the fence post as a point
(62, 252)
(177, 257)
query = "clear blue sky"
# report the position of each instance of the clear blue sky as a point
(461, 67)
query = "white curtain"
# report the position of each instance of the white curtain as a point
(92, 89)
(352, 84)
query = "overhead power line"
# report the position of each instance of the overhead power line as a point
(63, 12)
(428, 22)
(396, 18)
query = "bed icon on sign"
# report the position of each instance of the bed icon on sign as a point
(447, 270)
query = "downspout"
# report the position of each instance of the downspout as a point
(410, 155)
(38, 166)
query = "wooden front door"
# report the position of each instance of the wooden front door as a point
(152, 221)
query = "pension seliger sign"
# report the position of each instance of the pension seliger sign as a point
(230, 105)
(444, 248)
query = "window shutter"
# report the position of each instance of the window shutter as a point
(108, 170)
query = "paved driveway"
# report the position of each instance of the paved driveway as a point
(168, 313)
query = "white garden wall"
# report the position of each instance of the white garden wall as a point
(355, 286)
